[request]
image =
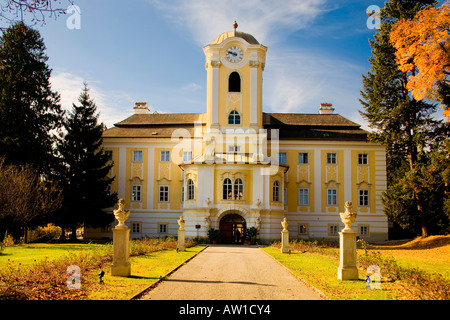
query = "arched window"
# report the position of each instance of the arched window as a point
(276, 191)
(191, 190)
(227, 189)
(234, 82)
(238, 189)
(234, 117)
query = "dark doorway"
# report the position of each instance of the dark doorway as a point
(232, 227)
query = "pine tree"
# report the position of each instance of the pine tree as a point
(29, 109)
(84, 169)
(402, 123)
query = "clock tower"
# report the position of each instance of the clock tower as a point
(235, 61)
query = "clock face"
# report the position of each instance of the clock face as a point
(234, 54)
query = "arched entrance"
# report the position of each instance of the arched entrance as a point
(233, 228)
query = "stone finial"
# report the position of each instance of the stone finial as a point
(348, 217)
(235, 25)
(181, 223)
(285, 224)
(121, 215)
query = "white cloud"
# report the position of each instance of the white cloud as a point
(267, 20)
(191, 87)
(110, 105)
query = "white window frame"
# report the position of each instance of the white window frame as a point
(333, 230)
(187, 156)
(331, 158)
(136, 193)
(303, 196)
(363, 197)
(332, 192)
(137, 156)
(303, 226)
(363, 159)
(163, 228)
(136, 227)
(276, 191)
(165, 156)
(282, 157)
(303, 158)
(164, 193)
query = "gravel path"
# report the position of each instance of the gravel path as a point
(231, 273)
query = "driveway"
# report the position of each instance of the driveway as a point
(224, 272)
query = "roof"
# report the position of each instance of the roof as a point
(239, 34)
(291, 126)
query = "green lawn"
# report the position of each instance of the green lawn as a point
(30, 253)
(320, 271)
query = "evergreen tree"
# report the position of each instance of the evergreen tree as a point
(29, 109)
(403, 124)
(84, 169)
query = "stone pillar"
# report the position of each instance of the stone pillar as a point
(181, 235)
(121, 244)
(284, 237)
(347, 246)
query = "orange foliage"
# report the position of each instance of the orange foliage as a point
(422, 43)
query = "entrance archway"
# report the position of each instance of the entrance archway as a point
(233, 228)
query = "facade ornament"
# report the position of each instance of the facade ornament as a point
(253, 63)
(121, 215)
(207, 222)
(348, 217)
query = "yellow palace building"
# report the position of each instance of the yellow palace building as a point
(235, 166)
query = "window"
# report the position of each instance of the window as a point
(227, 189)
(191, 190)
(162, 228)
(363, 230)
(285, 196)
(234, 117)
(187, 156)
(234, 82)
(331, 197)
(135, 193)
(182, 194)
(333, 230)
(302, 229)
(136, 227)
(234, 148)
(331, 158)
(165, 156)
(137, 156)
(163, 193)
(303, 196)
(303, 158)
(238, 189)
(276, 191)
(282, 157)
(363, 158)
(363, 197)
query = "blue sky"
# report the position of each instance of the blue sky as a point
(151, 50)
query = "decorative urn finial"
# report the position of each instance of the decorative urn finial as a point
(121, 215)
(181, 223)
(348, 217)
(285, 224)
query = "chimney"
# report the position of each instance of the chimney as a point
(141, 108)
(326, 108)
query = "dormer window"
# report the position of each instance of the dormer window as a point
(234, 117)
(234, 82)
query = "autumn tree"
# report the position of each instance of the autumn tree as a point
(423, 51)
(406, 127)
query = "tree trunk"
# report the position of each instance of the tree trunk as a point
(73, 236)
(423, 222)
